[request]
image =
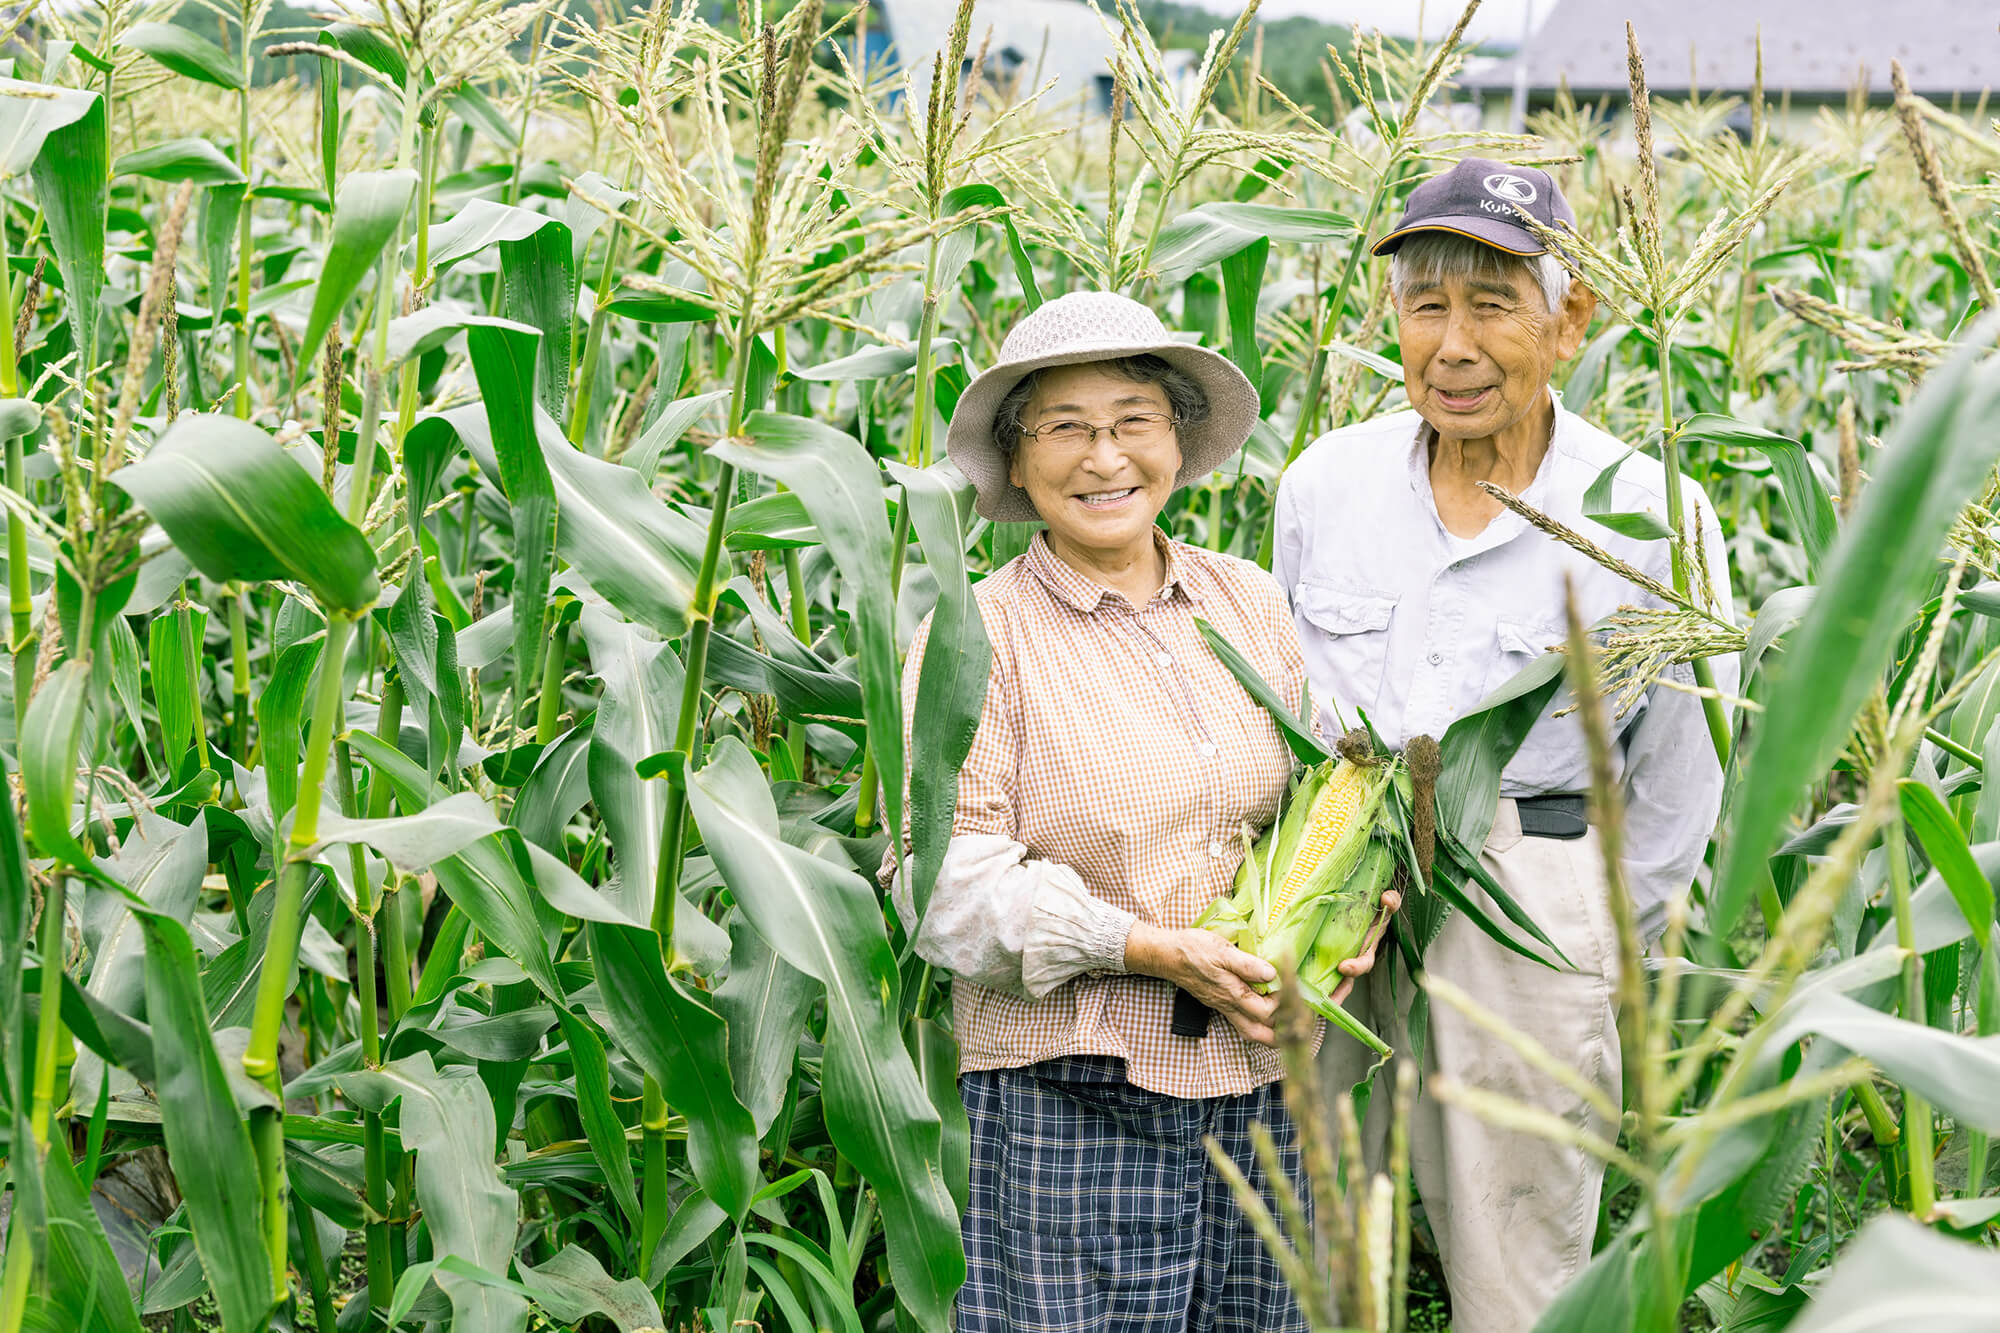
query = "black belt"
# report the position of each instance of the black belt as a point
(1558, 815)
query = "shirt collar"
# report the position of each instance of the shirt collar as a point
(1078, 590)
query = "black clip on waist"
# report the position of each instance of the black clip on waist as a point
(1558, 815)
(1191, 1016)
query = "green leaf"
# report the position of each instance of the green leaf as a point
(503, 359)
(541, 292)
(765, 1001)
(370, 47)
(447, 1121)
(279, 708)
(826, 921)
(1937, 457)
(590, 1073)
(1242, 283)
(208, 1144)
(1944, 842)
(480, 223)
(412, 335)
(573, 1285)
(49, 739)
(684, 1045)
(951, 683)
(29, 113)
(1957, 1074)
(1806, 500)
(1217, 230)
(648, 305)
(638, 553)
(841, 488)
(556, 789)
(636, 717)
(366, 214)
(195, 160)
(1899, 1275)
(186, 52)
(481, 879)
(241, 508)
(989, 196)
(665, 431)
(1641, 525)
(874, 363)
(72, 178)
(1304, 744)
(80, 1284)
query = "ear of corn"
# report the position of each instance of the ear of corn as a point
(1309, 888)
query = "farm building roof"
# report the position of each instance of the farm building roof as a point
(1811, 47)
(1059, 38)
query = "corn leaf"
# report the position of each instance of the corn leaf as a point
(243, 509)
(447, 1121)
(186, 52)
(951, 682)
(684, 1045)
(208, 1143)
(1937, 458)
(840, 486)
(825, 921)
(366, 213)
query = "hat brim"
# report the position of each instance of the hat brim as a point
(1205, 445)
(1499, 233)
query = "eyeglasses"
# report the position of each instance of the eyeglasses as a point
(1139, 428)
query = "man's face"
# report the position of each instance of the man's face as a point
(1477, 351)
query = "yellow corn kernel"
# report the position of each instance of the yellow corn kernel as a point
(1333, 812)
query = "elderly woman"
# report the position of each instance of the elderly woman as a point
(1116, 762)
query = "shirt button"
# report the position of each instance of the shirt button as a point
(1163, 658)
(1216, 849)
(1206, 749)
(1435, 659)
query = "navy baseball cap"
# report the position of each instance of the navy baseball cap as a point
(1478, 199)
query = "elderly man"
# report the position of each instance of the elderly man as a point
(1416, 594)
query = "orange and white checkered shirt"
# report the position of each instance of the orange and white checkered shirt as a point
(1114, 742)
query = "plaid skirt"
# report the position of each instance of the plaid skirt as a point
(1094, 1207)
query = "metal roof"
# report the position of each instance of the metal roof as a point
(1811, 47)
(1058, 38)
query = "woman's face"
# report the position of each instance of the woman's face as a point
(1100, 497)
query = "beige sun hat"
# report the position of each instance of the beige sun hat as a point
(1093, 326)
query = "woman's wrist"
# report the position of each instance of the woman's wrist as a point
(1150, 951)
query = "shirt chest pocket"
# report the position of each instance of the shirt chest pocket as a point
(1517, 644)
(1352, 639)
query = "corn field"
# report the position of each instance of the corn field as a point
(472, 473)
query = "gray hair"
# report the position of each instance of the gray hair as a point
(1433, 257)
(1185, 397)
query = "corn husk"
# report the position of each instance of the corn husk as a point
(1327, 918)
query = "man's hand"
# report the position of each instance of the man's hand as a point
(1364, 962)
(1212, 970)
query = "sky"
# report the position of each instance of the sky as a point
(1497, 20)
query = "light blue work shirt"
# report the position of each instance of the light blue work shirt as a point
(1414, 626)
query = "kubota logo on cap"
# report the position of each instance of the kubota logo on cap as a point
(1514, 189)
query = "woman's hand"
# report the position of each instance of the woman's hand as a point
(1364, 962)
(1211, 969)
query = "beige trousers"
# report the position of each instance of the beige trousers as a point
(1514, 1214)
